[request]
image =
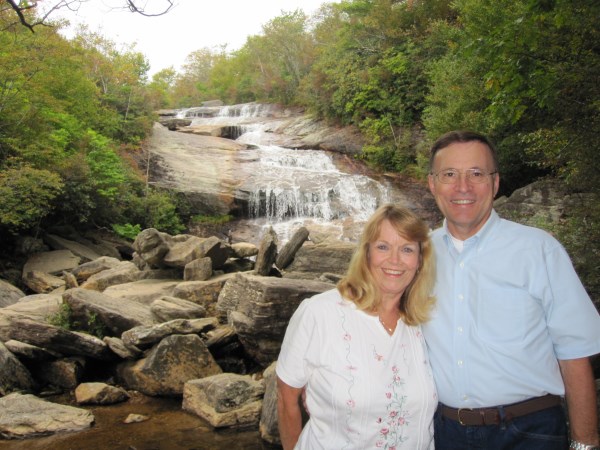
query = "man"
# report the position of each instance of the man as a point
(513, 328)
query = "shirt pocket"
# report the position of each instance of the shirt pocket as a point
(502, 315)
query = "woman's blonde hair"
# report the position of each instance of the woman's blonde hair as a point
(359, 284)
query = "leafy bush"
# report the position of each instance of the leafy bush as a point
(127, 230)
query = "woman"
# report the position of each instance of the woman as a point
(358, 350)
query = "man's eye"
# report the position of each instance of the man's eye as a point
(449, 174)
(476, 173)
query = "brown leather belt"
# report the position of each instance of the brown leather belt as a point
(492, 416)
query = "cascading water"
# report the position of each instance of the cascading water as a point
(287, 188)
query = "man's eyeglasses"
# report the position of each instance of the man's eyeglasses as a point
(451, 176)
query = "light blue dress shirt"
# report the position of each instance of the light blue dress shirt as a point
(508, 306)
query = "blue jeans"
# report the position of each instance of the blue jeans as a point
(542, 430)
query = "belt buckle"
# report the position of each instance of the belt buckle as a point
(459, 419)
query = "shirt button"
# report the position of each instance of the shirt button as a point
(462, 264)
(465, 397)
(460, 329)
(461, 297)
(460, 363)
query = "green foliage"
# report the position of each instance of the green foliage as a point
(127, 230)
(27, 196)
(214, 220)
(106, 168)
(63, 318)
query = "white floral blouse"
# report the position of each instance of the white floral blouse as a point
(364, 388)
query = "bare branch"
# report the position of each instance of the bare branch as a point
(72, 5)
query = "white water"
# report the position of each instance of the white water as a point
(289, 188)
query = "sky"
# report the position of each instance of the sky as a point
(190, 25)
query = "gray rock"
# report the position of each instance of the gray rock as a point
(86, 270)
(169, 308)
(30, 352)
(259, 309)
(225, 400)
(41, 282)
(143, 291)
(57, 339)
(53, 262)
(268, 426)
(152, 245)
(77, 248)
(99, 394)
(14, 376)
(125, 272)
(120, 349)
(287, 253)
(115, 315)
(146, 336)
(318, 259)
(198, 270)
(9, 294)
(203, 293)
(65, 373)
(172, 362)
(184, 252)
(39, 307)
(244, 250)
(267, 253)
(23, 416)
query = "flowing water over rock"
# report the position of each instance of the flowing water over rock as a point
(273, 185)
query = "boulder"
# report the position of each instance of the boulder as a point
(125, 272)
(92, 309)
(14, 376)
(244, 250)
(23, 416)
(152, 245)
(225, 400)
(259, 309)
(65, 373)
(39, 307)
(86, 270)
(9, 294)
(169, 308)
(99, 394)
(30, 353)
(287, 253)
(203, 293)
(143, 291)
(120, 349)
(198, 270)
(172, 362)
(41, 282)
(77, 248)
(146, 336)
(57, 339)
(184, 252)
(53, 262)
(267, 253)
(269, 423)
(314, 260)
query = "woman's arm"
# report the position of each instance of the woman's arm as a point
(289, 414)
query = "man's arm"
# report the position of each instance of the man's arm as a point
(289, 414)
(580, 392)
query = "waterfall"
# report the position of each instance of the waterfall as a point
(295, 184)
(286, 187)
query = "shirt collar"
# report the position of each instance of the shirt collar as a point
(478, 237)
